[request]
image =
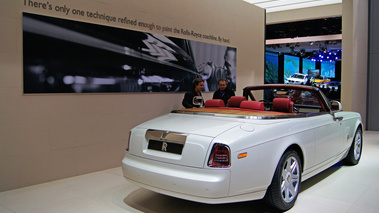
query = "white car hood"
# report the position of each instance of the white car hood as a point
(210, 126)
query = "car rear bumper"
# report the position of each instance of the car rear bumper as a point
(175, 180)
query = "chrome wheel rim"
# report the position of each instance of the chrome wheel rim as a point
(357, 145)
(290, 179)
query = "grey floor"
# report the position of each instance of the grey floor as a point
(338, 189)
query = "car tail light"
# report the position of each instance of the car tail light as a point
(220, 156)
(128, 144)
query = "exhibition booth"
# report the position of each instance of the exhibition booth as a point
(77, 76)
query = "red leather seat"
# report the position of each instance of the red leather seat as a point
(235, 101)
(214, 103)
(255, 105)
(282, 105)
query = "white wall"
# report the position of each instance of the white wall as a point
(48, 137)
(310, 13)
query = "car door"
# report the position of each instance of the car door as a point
(328, 136)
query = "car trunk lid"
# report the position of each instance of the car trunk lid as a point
(178, 139)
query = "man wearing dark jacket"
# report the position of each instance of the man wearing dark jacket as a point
(223, 92)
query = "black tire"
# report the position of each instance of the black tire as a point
(355, 151)
(288, 174)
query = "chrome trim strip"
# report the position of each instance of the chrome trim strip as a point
(166, 136)
(252, 117)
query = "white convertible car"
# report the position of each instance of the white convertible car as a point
(262, 145)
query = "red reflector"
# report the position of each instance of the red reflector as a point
(219, 156)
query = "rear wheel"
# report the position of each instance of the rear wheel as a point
(285, 185)
(355, 151)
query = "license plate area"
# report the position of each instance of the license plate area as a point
(165, 141)
(165, 146)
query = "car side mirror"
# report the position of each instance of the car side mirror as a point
(336, 105)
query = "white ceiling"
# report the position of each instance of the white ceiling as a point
(281, 5)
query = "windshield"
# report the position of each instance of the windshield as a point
(305, 100)
(319, 77)
(297, 76)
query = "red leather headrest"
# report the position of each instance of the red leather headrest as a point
(235, 101)
(214, 103)
(282, 105)
(256, 105)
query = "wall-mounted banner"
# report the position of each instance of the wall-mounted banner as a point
(65, 56)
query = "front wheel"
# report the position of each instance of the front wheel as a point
(285, 185)
(355, 150)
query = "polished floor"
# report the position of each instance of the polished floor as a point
(338, 189)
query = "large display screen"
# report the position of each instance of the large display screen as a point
(271, 68)
(291, 65)
(308, 64)
(66, 56)
(328, 69)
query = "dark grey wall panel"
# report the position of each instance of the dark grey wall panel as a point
(373, 68)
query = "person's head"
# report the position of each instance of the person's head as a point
(222, 84)
(198, 84)
(230, 56)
